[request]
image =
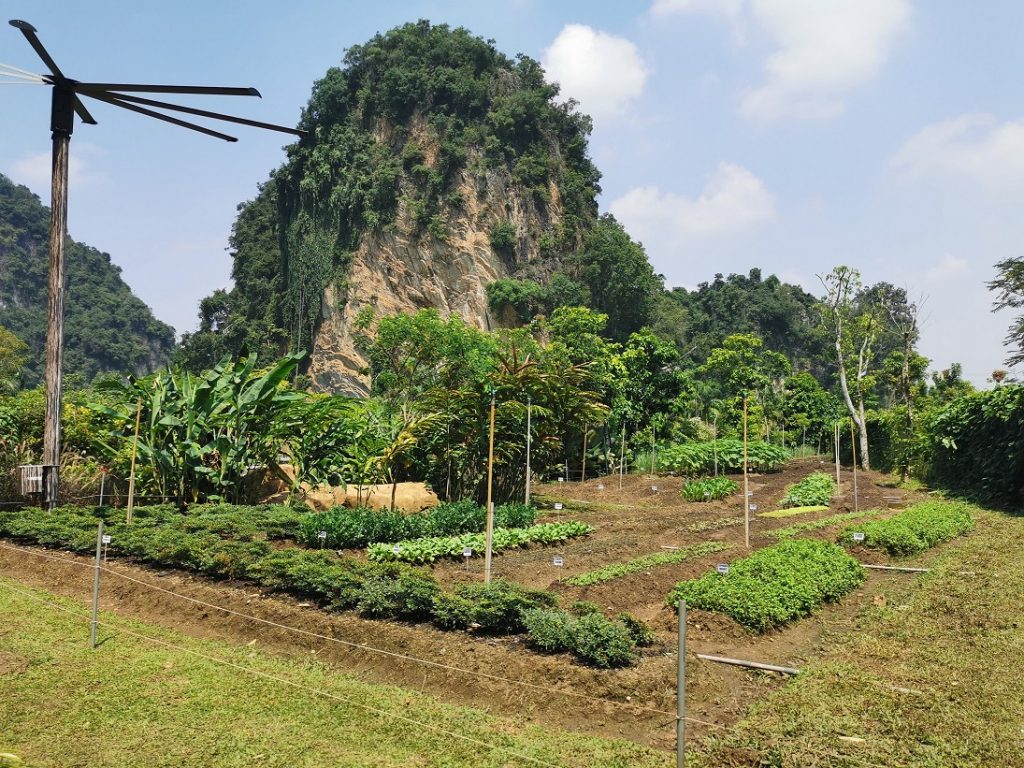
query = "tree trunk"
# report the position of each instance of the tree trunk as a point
(863, 425)
(857, 416)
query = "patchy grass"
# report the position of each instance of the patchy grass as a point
(133, 703)
(956, 642)
(794, 511)
(618, 570)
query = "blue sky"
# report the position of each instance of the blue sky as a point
(792, 135)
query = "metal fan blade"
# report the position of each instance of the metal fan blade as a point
(166, 118)
(206, 113)
(208, 90)
(83, 112)
(30, 34)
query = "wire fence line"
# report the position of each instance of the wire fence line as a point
(371, 649)
(832, 755)
(284, 681)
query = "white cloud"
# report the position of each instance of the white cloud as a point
(34, 170)
(948, 267)
(824, 49)
(604, 73)
(733, 200)
(976, 147)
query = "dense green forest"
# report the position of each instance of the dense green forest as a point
(107, 327)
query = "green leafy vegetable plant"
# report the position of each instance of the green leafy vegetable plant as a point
(699, 458)
(917, 528)
(708, 488)
(776, 585)
(813, 491)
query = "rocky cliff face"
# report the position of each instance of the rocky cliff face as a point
(403, 270)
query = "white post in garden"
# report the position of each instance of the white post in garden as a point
(746, 482)
(490, 504)
(529, 439)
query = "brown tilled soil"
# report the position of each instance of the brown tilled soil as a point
(629, 523)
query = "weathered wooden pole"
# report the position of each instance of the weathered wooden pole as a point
(622, 455)
(490, 504)
(746, 482)
(835, 432)
(853, 449)
(131, 474)
(681, 689)
(62, 123)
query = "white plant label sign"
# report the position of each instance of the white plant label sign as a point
(858, 536)
(107, 538)
(722, 568)
(558, 505)
(557, 561)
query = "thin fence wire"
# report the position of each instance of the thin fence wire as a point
(363, 647)
(291, 683)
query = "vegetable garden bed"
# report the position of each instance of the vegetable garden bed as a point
(919, 527)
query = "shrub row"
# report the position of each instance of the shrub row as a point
(618, 570)
(427, 550)
(814, 490)
(775, 585)
(375, 590)
(348, 528)
(699, 458)
(591, 638)
(915, 529)
(708, 488)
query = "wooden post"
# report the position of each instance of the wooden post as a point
(131, 475)
(490, 504)
(746, 482)
(622, 455)
(654, 435)
(714, 443)
(853, 449)
(835, 432)
(583, 470)
(61, 124)
(529, 440)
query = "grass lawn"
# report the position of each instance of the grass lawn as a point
(954, 637)
(133, 702)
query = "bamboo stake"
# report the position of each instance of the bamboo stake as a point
(853, 448)
(750, 664)
(583, 472)
(490, 504)
(746, 482)
(131, 475)
(622, 455)
(835, 432)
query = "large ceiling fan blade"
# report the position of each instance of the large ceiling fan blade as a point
(207, 113)
(83, 112)
(30, 34)
(207, 90)
(166, 118)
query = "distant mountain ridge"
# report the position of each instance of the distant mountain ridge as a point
(106, 328)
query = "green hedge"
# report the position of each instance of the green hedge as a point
(915, 529)
(226, 542)
(976, 446)
(699, 458)
(591, 638)
(708, 488)
(813, 491)
(776, 585)
(348, 528)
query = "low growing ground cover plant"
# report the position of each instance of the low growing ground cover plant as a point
(775, 585)
(349, 528)
(816, 525)
(431, 548)
(618, 570)
(915, 529)
(793, 511)
(708, 488)
(694, 459)
(814, 490)
(224, 542)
